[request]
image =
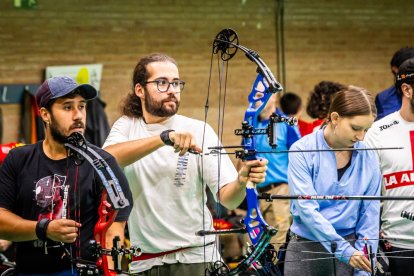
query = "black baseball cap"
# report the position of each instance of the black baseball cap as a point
(60, 86)
(405, 72)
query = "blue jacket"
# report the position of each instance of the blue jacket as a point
(315, 173)
(387, 102)
(278, 162)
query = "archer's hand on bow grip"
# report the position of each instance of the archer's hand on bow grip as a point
(253, 171)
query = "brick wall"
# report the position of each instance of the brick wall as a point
(346, 41)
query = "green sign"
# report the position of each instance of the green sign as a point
(25, 4)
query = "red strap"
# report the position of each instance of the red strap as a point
(147, 256)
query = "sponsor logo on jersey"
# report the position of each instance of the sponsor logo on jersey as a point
(388, 125)
(398, 179)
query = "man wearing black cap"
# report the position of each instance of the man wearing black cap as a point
(397, 168)
(48, 203)
(389, 100)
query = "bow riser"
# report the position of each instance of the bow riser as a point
(255, 224)
(251, 116)
(106, 218)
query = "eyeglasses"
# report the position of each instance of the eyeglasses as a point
(163, 85)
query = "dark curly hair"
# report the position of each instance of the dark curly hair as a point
(320, 98)
(132, 106)
(290, 103)
(401, 55)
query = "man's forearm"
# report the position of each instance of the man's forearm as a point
(232, 195)
(127, 153)
(15, 228)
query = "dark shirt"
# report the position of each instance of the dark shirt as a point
(33, 186)
(387, 102)
(341, 171)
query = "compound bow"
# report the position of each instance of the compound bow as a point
(77, 145)
(261, 251)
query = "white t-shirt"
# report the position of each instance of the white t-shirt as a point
(168, 192)
(398, 175)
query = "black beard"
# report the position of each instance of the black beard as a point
(56, 133)
(158, 109)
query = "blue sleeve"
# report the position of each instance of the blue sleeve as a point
(380, 109)
(369, 214)
(301, 183)
(293, 135)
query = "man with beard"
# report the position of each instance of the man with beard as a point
(49, 201)
(389, 100)
(397, 168)
(169, 189)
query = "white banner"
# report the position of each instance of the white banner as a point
(86, 73)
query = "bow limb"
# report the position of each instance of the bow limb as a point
(227, 43)
(259, 249)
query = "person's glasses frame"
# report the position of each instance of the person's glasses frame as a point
(163, 85)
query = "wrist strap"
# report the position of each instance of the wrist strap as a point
(41, 228)
(165, 137)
